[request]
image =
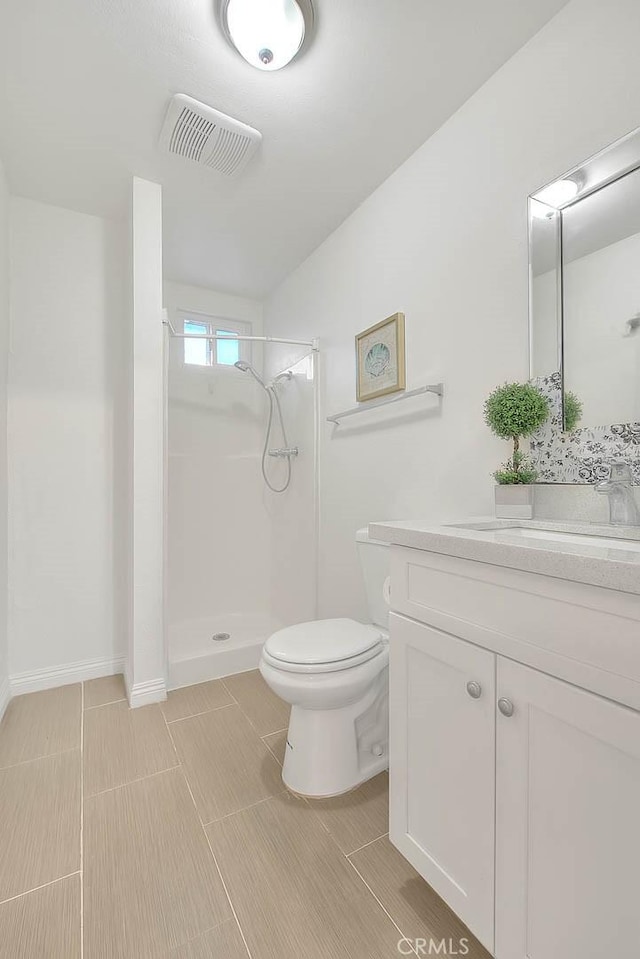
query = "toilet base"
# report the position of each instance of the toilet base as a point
(332, 751)
(345, 792)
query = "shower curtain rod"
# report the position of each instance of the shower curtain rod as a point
(312, 344)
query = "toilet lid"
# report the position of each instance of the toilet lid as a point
(322, 641)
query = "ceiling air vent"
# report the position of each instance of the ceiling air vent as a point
(197, 132)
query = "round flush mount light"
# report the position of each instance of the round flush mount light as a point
(558, 194)
(267, 33)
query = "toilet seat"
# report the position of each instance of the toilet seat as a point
(323, 646)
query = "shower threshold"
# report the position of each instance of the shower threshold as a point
(198, 652)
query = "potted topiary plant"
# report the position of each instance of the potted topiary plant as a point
(511, 412)
(572, 411)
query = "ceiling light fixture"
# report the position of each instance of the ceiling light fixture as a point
(267, 33)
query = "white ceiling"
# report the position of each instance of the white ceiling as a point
(84, 85)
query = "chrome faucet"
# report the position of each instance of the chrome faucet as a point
(623, 508)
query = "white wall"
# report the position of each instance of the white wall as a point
(180, 296)
(66, 603)
(445, 240)
(4, 346)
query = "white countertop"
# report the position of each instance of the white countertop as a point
(583, 561)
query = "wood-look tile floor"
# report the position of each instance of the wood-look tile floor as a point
(166, 833)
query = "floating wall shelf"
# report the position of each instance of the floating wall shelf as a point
(436, 388)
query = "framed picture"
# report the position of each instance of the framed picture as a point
(380, 359)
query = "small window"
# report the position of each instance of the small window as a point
(197, 352)
(206, 352)
(227, 351)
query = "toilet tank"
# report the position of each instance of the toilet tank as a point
(374, 561)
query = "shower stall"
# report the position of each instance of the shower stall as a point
(241, 481)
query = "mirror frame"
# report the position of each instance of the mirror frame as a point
(616, 161)
(583, 455)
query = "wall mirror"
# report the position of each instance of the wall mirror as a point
(584, 300)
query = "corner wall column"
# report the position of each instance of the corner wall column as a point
(145, 672)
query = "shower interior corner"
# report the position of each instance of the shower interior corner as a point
(240, 557)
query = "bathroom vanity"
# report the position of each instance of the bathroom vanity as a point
(515, 729)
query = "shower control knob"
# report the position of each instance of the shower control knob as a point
(377, 749)
(506, 707)
(474, 690)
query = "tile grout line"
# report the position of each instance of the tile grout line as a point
(236, 702)
(352, 864)
(277, 758)
(229, 693)
(175, 748)
(130, 782)
(275, 732)
(184, 769)
(244, 712)
(222, 880)
(213, 855)
(347, 855)
(200, 935)
(386, 912)
(322, 823)
(364, 845)
(37, 759)
(259, 802)
(52, 882)
(111, 702)
(182, 719)
(82, 826)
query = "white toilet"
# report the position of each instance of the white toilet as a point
(334, 672)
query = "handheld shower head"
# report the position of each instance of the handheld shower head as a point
(247, 368)
(274, 404)
(287, 375)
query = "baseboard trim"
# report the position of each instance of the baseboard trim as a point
(63, 675)
(142, 694)
(5, 695)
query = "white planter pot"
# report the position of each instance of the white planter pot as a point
(514, 502)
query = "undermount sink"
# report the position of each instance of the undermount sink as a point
(516, 531)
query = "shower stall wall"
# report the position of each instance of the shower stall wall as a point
(241, 558)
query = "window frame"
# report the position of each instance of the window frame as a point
(215, 324)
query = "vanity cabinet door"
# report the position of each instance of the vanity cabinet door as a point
(442, 766)
(568, 821)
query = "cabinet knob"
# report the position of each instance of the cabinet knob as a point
(474, 690)
(506, 707)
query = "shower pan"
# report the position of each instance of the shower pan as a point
(241, 503)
